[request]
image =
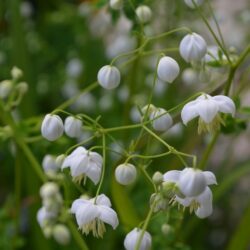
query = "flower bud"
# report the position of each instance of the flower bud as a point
(164, 122)
(52, 127)
(47, 231)
(116, 4)
(109, 77)
(22, 87)
(49, 163)
(5, 88)
(49, 190)
(59, 160)
(125, 174)
(159, 201)
(190, 3)
(189, 76)
(132, 238)
(72, 126)
(148, 108)
(168, 69)
(61, 234)
(16, 73)
(192, 182)
(193, 47)
(157, 178)
(143, 13)
(166, 229)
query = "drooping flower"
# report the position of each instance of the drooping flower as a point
(52, 127)
(133, 236)
(93, 213)
(168, 69)
(208, 109)
(72, 126)
(84, 163)
(143, 13)
(109, 77)
(125, 173)
(193, 190)
(190, 3)
(164, 120)
(193, 47)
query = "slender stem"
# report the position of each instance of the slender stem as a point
(208, 151)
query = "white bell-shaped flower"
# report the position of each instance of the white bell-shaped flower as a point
(48, 190)
(92, 214)
(73, 127)
(193, 47)
(125, 173)
(52, 127)
(109, 77)
(84, 163)
(190, 3)
(168, 69)
(164, 120)
(202, 205)
(49, 163)
(133, 236)
(143, 13)
(207, 108)
(61, 234)
(116, 4)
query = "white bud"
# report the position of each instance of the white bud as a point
(143, 13)
(190, 3)
(168, 69)
(192, 182)
(125, 173)
(116, 4)
(73, 126)
(164, 122)
(148, 108)
(166, 229)
(16, 73)
(193, 47)
(49, 163)
(157, 178)
(189, 76)
(52, 127)
(132, 238)
(61, 234)
(48, 190)
(5, 88)
(109, 77)
(22, 87)
(59, 160)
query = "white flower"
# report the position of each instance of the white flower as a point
(84, 163)
(52, 127)
(193, 47)
(132, 238)
(208, 108)
(116, 4)
(164, 122)
(72, 126)
(49, 163)
(109, 77)
(202, 204)
(125, 173)
(6, 87)
(48, 190)
(168, 69)
(45, 217)
(61, 234)
(16, 73)
(190, 4)
(191, 182)
(92, 214)
(143, 13)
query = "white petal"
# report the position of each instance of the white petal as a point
(79, 166)
(76, 204)
(226, 105)
(93, 172)
(108, 215)
(184, 202)
(172, 176)
(204, 211)
(210, 178)
(206, 206)
(102, 199)
(189, 112)
(207, 110)
(85, 213)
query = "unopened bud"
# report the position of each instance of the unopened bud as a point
(157, 178)
(16, 73)
(166, 229)
(5, 88)
(22, 87)
(59, 160)
(61, 234)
